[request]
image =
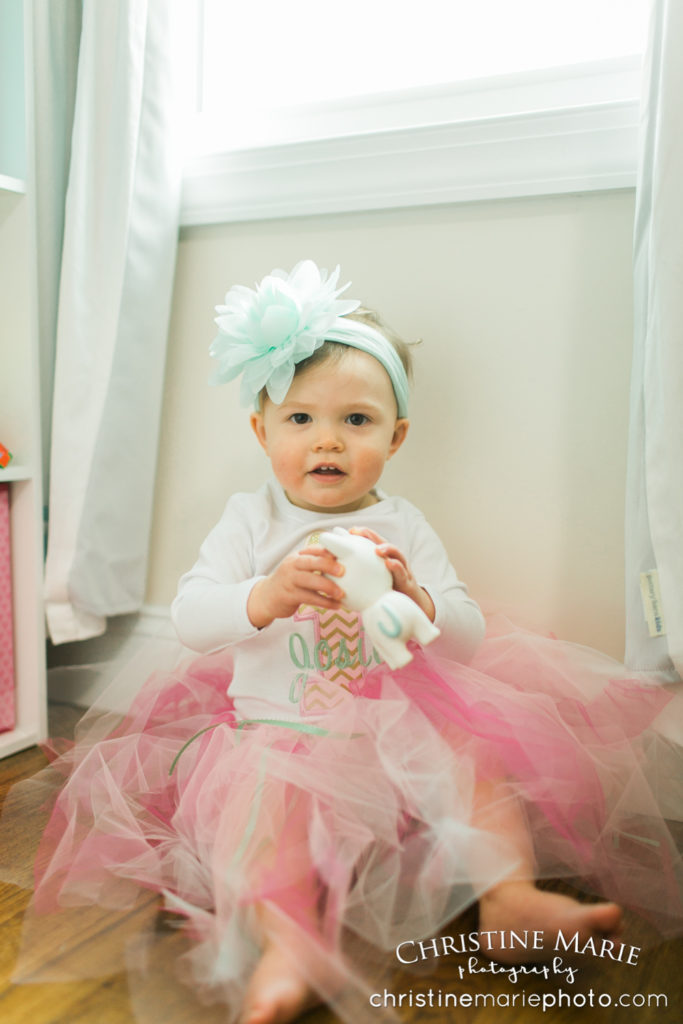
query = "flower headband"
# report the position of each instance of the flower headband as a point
(264, 333)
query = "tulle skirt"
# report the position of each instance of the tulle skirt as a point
(373, 825)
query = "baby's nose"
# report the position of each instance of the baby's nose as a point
(328, 440)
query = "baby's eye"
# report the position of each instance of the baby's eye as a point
(300, 418)
(357, 419)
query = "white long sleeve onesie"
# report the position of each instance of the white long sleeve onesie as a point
(272, 666)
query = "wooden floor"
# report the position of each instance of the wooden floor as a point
(653, 987)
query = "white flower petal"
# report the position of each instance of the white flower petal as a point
(344, 306)
(277, 324)
(279, 383)
(264, 333)
(306, 278)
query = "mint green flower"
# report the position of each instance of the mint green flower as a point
(264, 333)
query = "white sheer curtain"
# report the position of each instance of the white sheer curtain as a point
(107, 182)
(654, 521)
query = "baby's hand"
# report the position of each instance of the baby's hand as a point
(297, 580)
(402, 577)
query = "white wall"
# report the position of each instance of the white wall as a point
(518, 442)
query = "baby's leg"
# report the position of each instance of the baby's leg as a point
(288, 923)
(277, 992)
(516, 904)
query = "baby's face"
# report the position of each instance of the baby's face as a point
(329, 440)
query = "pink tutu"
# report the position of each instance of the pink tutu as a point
(358, 829)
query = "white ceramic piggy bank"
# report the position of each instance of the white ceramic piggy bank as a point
(390, 618)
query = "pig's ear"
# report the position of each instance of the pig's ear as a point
(337, 543)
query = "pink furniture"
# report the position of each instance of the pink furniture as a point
(6, 629)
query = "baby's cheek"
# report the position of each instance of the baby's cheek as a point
(372, 462)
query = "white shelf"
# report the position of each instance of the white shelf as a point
(18, 739)
(20, 390)
(20, 433)
(15, 471)
(15, 185)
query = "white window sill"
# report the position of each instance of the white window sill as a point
(577, 131)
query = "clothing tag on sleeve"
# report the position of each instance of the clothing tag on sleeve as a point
(652, 602)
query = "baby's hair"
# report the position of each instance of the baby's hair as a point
(335, 350)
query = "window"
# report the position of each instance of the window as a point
(300, 81)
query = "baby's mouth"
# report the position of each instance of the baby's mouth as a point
(327, 471)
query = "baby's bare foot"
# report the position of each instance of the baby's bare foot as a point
(276, 993)
(519, 906)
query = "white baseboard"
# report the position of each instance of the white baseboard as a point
(79, 673)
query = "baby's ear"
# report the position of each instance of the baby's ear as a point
(400, 432)
(258, 426)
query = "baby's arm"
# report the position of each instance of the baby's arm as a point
(401, 575)
(222, 600)
(297, 580)
(210, 609)
(427, 576)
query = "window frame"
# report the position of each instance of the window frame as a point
(567, 129)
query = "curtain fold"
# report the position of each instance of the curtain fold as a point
(654, 513)
(107, 191)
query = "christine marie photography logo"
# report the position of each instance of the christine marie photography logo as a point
(563, 954)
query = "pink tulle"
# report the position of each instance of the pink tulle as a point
(357, 829)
